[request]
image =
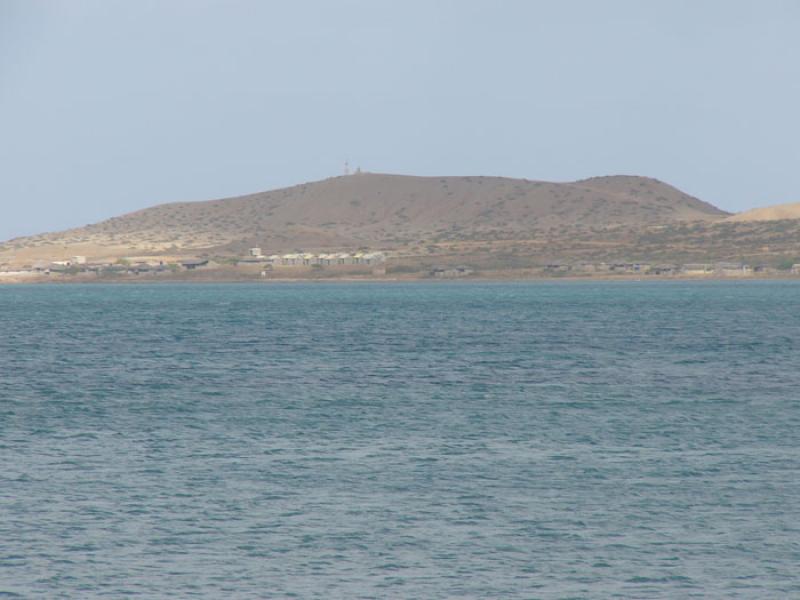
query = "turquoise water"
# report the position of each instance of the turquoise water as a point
(547, 440)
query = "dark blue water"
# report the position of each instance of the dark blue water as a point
(569, 440)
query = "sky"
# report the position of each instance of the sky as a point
(110, 106)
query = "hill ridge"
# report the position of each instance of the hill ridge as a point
(385, 210)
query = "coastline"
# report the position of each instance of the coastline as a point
(404, 278)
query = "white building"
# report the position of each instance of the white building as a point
(732, 269)
(307, 259)
(697, 268)
(373, 258)
(291, 260)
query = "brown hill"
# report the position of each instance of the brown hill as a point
(768, 213)
(381, 211)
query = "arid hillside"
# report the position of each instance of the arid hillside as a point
(768, 213)
(388, 211)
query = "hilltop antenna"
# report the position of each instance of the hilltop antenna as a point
(346, 168)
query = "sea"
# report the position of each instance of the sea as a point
(589, 440)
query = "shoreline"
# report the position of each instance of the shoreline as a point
(489, 278)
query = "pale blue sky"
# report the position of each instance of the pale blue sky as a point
(109, 106)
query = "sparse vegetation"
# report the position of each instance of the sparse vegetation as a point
(488, 221)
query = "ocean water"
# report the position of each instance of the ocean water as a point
(514, 440)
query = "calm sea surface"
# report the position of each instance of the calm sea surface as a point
(546, 440)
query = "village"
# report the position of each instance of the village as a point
(255, 264)
(372, 263)
(369, 263)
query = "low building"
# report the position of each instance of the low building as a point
(557, 268)
(255, 252)
(451, 272)
(306, 259)
(629, 267)
(146, 267)
(663, 270)
(141, 267)
(343, 258)
(585, 268)
(796, 269)
(192, 264)
(115, 269)
(697, 269)
(78, 260)
(60, 266)
(373, 258)
(730, 269)
(291, 260)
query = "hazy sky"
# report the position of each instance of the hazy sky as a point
(109, 106)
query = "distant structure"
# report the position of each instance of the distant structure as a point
(452, 272)
(195, 263)
(325, 260)
(255, 251)
(698, 268)
(349, 171)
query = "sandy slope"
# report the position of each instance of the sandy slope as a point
(769, 213)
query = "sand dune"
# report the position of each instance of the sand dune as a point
(769, 213)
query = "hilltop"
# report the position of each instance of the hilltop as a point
(379, 211)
